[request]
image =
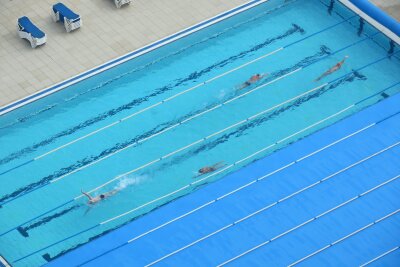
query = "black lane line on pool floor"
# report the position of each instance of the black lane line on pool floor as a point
(213, 144)
(159, 91)
(109, 220)
(48, 257)
(107, 153)
(214, 36)
(229, 127)
(70, 201)
(24, 230)
(254, 213)
(254, 182)
(63, 172)
(296, 27)
(248, 126)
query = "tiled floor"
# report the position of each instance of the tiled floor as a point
(107, 33)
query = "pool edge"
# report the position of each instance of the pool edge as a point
(4, 262)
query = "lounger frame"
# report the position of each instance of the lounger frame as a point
(28, 36)
(119, 3)
(69, 25)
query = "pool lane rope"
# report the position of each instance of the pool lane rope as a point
(200, 114)
(200, 180)
(359, 230)
(272, 204)
(150, 163)
(227, 128)
(380, 256)
(251, 183)
(311, 220)
(174, 126)
(171, 98)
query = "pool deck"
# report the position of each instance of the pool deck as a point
(107, 33)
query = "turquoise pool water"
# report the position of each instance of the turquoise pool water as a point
(145, 127)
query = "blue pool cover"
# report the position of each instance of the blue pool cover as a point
(331, 199)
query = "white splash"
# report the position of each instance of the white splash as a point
(128, 181)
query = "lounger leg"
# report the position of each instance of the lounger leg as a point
(55, 16)
(33, 42)
(67, 25)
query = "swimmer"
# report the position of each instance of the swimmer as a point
(209, 169)
(253, 79)
(94, 200)
(333, 69)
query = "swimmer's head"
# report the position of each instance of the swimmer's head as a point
(102, 196)
(346, 56)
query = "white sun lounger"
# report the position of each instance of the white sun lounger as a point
(119, 3)
(27, 30)
(70, 19)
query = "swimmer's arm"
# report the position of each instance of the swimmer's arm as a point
(86, 194)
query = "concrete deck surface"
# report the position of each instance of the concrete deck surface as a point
(107, 33)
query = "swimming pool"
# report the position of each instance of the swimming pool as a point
(145, 127)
